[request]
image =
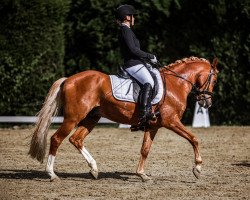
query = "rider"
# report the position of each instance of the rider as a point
(134, 60)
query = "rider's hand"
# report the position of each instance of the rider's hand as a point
(154, 60)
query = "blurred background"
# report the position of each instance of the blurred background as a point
(43, 40)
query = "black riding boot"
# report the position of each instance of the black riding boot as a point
(145, 107)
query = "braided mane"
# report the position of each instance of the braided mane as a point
(186, 60)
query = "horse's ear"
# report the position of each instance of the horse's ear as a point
(214, 64)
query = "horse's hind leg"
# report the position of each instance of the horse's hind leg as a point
(85, 127)
(56, 140)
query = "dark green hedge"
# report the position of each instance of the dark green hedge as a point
(32, 46)
(31, 52)
(172, 29)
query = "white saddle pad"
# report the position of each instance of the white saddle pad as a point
(122, 89)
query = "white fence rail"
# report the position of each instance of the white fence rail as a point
(33, 119)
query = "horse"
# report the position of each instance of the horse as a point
(86, 97)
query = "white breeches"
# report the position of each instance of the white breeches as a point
(141, 74)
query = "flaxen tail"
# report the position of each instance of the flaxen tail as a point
(50, 107)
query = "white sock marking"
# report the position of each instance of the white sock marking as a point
(90, 160)
(50, 166)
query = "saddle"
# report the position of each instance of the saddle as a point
(125, 88)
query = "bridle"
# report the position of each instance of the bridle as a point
(206, 84)
(200, 94)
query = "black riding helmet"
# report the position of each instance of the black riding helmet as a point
(123, 11)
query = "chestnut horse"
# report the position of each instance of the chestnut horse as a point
(86, 97)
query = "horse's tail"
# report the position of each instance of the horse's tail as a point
(50, 107)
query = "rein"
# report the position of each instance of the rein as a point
(196, 90)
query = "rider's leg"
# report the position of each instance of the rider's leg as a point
(145, 108)
(141, 74)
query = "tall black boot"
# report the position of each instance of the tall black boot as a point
(145, 107)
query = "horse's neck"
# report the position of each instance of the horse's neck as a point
(187, 73)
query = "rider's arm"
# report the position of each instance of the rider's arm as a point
(129, 40)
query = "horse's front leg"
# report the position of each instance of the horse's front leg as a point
(146, 144)
(180, 129)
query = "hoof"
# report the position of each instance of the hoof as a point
(197, 172)
(145, 178)
(94, 173)
(54, 179)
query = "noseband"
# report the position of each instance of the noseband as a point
(206, 84)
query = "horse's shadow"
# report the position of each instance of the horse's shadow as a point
(243, 163)
(40, 175)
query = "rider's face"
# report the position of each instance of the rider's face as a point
(131, 19)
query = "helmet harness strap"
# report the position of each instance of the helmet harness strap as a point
(130, 21)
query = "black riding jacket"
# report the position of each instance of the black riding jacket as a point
(130, 48)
